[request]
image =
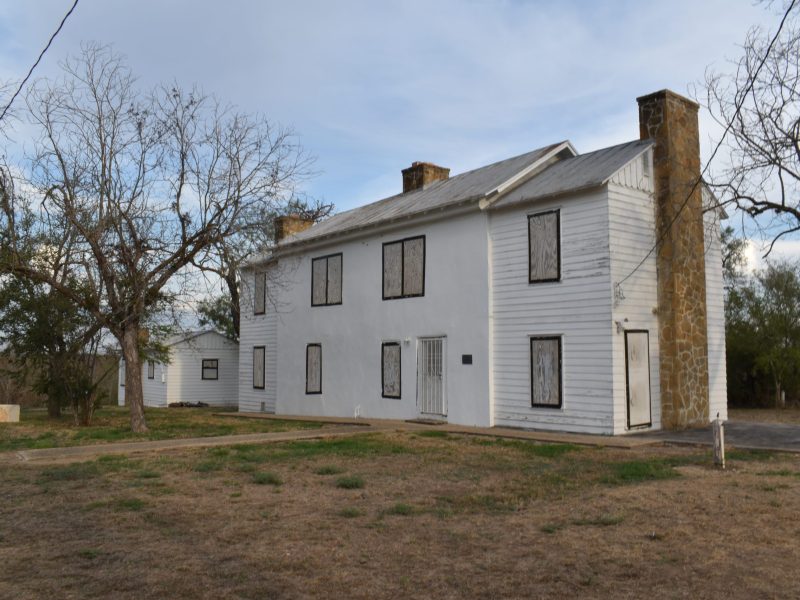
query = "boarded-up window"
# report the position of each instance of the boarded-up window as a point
(404, 268)
(258, 367)
(390, 369)
(544, 243)
(326, 280)
(151, 369)
(546, 371)
(210, 368)
(313, 369)
(260, 294)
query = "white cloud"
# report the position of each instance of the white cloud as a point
(373, 86)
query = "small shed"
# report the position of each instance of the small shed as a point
(203, 367)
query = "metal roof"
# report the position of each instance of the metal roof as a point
(471, 185)
(547, 171)
(575, 173)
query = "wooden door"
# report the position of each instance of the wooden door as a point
(637, 366)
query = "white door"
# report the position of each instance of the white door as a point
(430, 377)
(637, 361)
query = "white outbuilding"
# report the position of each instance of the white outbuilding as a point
(203, 367)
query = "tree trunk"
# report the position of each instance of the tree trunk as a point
(53, 406)
(54, 398)
(133, 378)
(233, 290)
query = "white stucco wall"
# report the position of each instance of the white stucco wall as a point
(455, 305)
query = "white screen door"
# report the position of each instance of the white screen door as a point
(637, 361)
(430, 377)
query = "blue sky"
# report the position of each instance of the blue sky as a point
(370, 87)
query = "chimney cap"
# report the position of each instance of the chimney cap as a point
(666, 93)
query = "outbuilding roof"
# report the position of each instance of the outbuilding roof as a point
(546, 171)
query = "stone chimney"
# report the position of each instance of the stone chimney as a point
(287, 225)
(670, 120)
(421, 174)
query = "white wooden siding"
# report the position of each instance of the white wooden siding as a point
(715, 308)
(631, 230)
(577, 308)
(257, 330)
(184, 375)
(154, 390)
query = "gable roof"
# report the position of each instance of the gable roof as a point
(575, 173)
(190, 335)
(546, 171)
(472, 185)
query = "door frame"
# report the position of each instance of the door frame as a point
(420, 339)
(628, 383)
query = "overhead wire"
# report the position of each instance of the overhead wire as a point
(698, 181)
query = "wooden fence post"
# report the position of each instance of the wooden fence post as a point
(719, 443)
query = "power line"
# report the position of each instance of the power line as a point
(697, 182)
(38, 60)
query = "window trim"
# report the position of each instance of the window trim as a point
(255, 289)
(263, 367)
(559, 338)
(399, 372)
(203, 369)
(557, 212)
(327, 271)
(402, 243)
(151, 369)
(318, 392)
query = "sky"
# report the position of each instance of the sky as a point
(370, 87)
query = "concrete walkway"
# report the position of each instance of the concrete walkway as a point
(343, 427)
(739, 434)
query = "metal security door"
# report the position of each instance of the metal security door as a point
(430, 377)
(637, 361)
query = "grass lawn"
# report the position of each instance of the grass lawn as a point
(403, 515)
(111, 424)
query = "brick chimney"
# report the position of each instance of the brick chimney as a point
(421, 174)
(287, 225)
(671, 121)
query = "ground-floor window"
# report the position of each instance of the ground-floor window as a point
(546, 371)
(151, 369)
(390, 369)
(210, 368)
(313, 369)
(258, 367)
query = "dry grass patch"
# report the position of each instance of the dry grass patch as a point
(441, 517)
(111, 424)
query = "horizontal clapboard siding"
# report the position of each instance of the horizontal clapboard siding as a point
(578, 308)
(184, 376)
(632, 235)
(155, 390)
(715, 306)
(257, 330)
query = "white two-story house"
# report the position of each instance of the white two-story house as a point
(552, 290)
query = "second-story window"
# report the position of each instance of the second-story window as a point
(326, 280)
(544, 245)
(260, 293)
(404, 268)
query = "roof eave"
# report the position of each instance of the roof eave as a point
(525, 174)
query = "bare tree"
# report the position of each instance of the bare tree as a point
(143, 185)
(226, 257)
(758, 105)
